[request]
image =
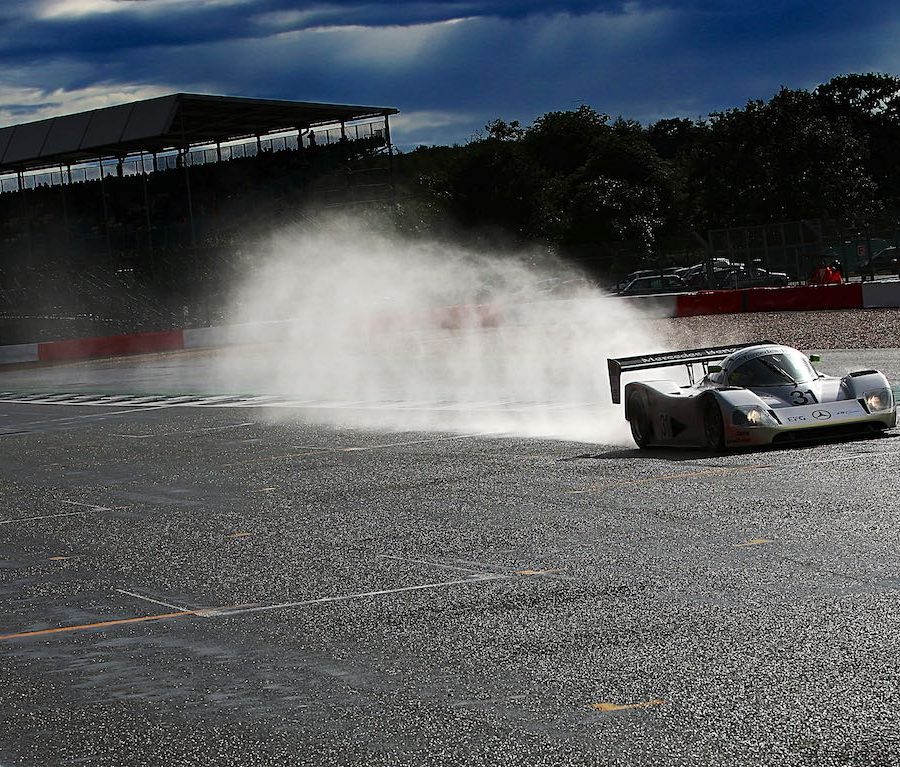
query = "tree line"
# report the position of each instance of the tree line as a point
(587, 184)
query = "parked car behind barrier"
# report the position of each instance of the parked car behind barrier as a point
(645, 286)
(667, 271)
(885, 260)
(754, 277)
(696, 276)
(725, 275)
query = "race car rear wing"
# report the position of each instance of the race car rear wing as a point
(686, 357)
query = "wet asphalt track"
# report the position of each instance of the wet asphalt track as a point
(212, 586)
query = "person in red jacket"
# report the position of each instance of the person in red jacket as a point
(826, 274)
(838, 272)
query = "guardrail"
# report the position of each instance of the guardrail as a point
(865, 295)
(787, 299)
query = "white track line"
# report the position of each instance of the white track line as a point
(156, 601)
(434, 564)
(91, 415)
(132, 401)
(416, 442)
(47, 516)
(91, 506)
(226, 611)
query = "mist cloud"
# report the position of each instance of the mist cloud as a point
(370, 329)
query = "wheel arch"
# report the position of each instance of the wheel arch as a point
(654, 391)
(712, 395)
(706, 401)
(861, 381)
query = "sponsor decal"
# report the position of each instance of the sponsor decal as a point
(855, 411)
(821, 414)
(693, 354)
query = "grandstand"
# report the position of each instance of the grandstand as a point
(128, 217)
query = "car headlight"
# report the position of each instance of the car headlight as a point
(879, 400)
(754, 415)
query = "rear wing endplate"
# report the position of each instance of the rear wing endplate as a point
(667, 359)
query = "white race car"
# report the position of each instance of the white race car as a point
(760, 394)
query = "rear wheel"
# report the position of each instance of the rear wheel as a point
(639, 419)
(713, 425)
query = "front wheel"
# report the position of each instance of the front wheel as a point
(639, 419)
(713, 425)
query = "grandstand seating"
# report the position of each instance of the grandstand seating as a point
(128, 253)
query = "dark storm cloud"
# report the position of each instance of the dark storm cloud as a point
(28, 31)
(449, 66)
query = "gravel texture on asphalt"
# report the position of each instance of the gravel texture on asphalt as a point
(417, 601)
(834, 329)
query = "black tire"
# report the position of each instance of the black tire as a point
(713, 425)
(639, 419)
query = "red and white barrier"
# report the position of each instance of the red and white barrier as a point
(710, 302)
(880, 295)
(92, 348)
(110, 346)
(866, 295)
(789, 299)
(18, 353)
(804, 298)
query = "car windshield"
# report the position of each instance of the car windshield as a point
(773, 370)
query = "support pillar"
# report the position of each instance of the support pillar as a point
(105, 212)
(190, 205)
(390, 147)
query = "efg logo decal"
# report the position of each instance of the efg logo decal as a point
(821, 415)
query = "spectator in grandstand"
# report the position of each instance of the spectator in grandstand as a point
(311, 137)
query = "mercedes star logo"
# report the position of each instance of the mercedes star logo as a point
(822, 415)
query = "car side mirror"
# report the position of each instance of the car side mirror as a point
(815, 358)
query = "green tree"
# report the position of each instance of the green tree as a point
(584, 182)
(572, 178)
(870, 105)
(608, 184)
(674, 137)
(778, 160)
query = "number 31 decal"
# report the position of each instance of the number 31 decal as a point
(803, 397)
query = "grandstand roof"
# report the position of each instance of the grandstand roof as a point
(154, 125)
